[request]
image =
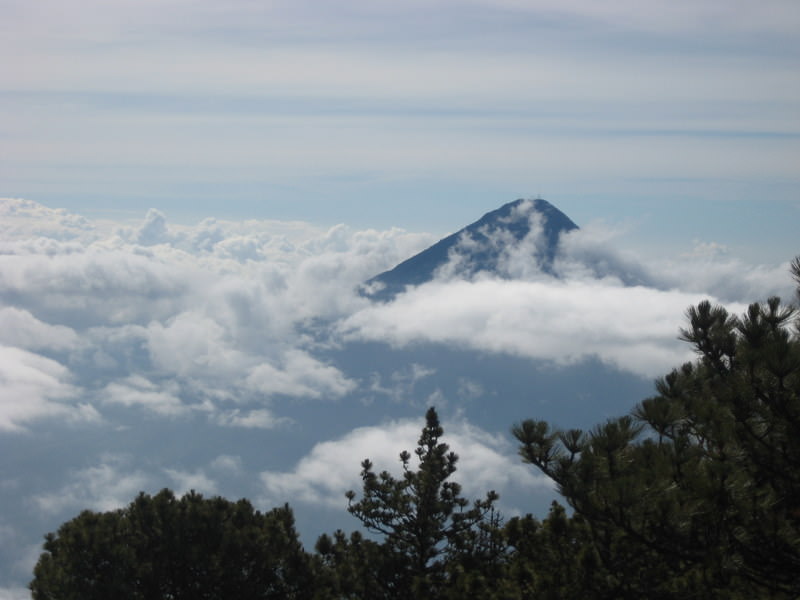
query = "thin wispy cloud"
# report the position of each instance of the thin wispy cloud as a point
(109, 485)
(257, 106)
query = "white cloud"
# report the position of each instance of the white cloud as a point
(19, 328)
(34, 387)
(605, 303)
(235, 312)
(332, 467)
(153, 230)
(20, 218)
(225, 463)
(135, 390)
(186, 481)
(300, 375)
(217, 313)
(728, 278)
(191, 343)
(632, 328)
(97, 286)
(106, 486)
(327, 51)
(591, 253)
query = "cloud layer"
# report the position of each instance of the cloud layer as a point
(222, 318)
(238, 357)
(150, 316)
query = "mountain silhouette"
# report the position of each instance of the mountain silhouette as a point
(480, 247)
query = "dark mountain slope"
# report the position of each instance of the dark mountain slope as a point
(478, 241)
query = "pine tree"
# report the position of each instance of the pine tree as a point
(427, 526)
(166, 547)
(697, 493)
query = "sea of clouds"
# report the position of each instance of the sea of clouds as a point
(226, 326)
(220, 316)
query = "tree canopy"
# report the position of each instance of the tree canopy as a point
(697, 492)
(427, 526)
(166, 547)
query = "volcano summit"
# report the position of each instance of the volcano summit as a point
(482, 247)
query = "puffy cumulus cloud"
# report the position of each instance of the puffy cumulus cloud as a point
(19, 328)
(631, 328)
(97, 286)
(186, 481)
(109, 485)
(21, 218)
(153, 230)
(169, 318)
(34, 387)
(226, 317)
(332, 467)
(135, 390)
(300, 375)
(227, 463)
(192, 343)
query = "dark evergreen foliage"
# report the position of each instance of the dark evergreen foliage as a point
(429, 530)
(164, 547)
(697, 493)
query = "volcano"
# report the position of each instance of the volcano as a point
(480, 247)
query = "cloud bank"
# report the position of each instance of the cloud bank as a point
(223, 319)
(216, 318)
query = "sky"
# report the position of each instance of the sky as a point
(191, 192)
(676, 121)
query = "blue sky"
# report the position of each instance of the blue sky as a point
(675, 123)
